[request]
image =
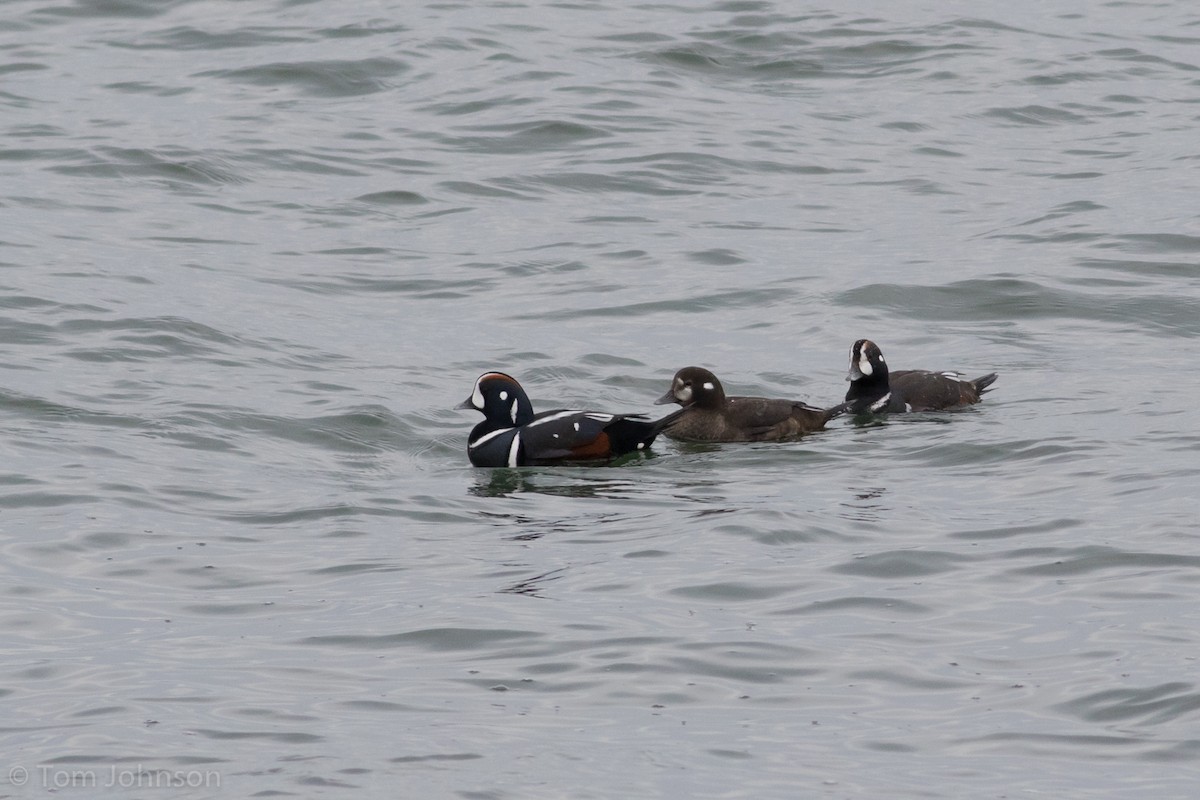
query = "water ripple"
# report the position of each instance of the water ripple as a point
(320, 78)
(251, 259)
(1149, 706)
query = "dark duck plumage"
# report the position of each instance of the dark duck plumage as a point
(874, 390)
(511, 435)
(709, 416)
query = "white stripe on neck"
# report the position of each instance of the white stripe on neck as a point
(488, 437)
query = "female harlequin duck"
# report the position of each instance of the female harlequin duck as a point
(511, 435)
(709, 416)
(873, 390)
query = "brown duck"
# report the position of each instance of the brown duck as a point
(709, 416)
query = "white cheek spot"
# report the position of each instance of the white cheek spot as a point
(503, 395)
(684, 394)
(514, 450)
(864, 365)
(576, 426)
(708, 385)
(477, 397)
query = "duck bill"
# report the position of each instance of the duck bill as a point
(855, 374)
(669, 397)
(465, 404)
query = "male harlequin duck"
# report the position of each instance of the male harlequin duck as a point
(709, 416)
(511, 435)
(874, 390)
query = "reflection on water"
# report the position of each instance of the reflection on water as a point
(865, 507)
(534, 586)
(557, 481)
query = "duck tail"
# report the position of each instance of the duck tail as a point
(982, 383)
(663, 423)
(840, 409)
(630, 432)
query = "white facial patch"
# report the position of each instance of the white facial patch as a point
(683, 393)
(864, 365)
(477, 397)
(503, 395)
(708, 385)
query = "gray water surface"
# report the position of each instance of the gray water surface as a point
(252, 254)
